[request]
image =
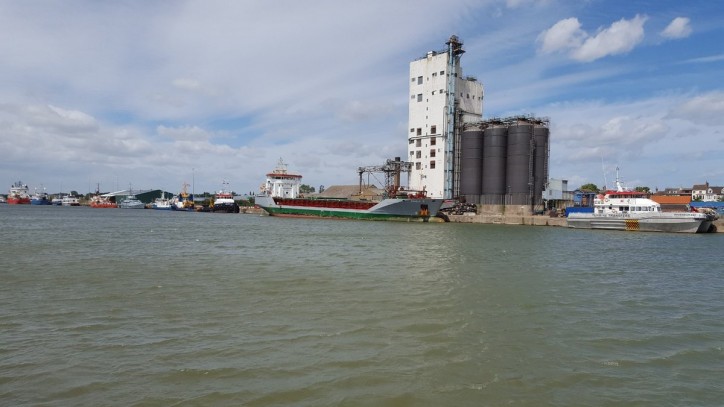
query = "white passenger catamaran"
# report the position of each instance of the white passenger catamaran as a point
(624, 209)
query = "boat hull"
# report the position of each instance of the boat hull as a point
(39, 201)
(389, 209)
(18, 201)
(672, 222)
(225, 208)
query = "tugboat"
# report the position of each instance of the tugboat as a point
(18, 194)
(224, 201)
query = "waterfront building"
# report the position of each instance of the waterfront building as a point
(441, 101)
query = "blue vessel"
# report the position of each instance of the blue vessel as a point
(40, 198)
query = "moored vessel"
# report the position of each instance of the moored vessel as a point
(162, 203)
(624, 209)
(280, 197)
(131, 202)
(70, 200)
(18, 194)
(224, 200)
(40, 198)
(183, 201)
(99, 201)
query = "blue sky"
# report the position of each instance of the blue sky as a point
(156, 93)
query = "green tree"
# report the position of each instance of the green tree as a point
(589, 187)
(306, 189)
(643, 189)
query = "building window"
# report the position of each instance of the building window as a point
(412, 80)
(412, 153)
(434, 74)
(418, 166)
(432, 153)
(433, 92)
(419, 80)
(441, 91)
(412, 130)
(412, 141)
(442, 73)
(419, 97)
(412, 97)
(433, 130)
(432, 141)
(418, 143)
(418, 154)
(419, 132)
(432, 165)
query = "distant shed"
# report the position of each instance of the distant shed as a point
(672, 203)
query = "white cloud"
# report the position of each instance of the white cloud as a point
(621, 37)
(678, 28)
(566, 35)
(706, 109)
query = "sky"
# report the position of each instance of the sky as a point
(155, 94)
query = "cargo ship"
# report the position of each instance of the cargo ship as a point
(280, 196)
(623, 209)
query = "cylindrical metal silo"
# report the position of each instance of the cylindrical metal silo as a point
(471, 157)
(494, 157)
(540, 173)
(518, 168)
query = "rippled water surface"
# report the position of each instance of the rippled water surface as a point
(149, 308)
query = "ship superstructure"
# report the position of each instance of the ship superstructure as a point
(280, 183)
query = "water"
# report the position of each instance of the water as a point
(111, 307)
